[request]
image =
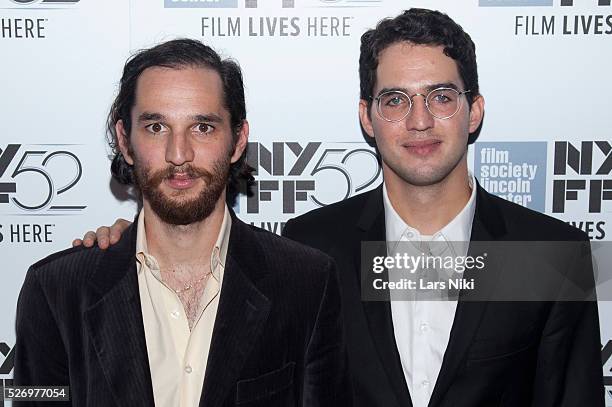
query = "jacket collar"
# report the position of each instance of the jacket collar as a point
(114, 324)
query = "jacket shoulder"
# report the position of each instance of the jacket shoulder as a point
(526, 224)
(323, 226)
(280, 251)
(73, 265)
(346, 211)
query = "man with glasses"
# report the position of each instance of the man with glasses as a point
(420, 103)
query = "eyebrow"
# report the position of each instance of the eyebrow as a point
(212, 118)
(151, 116)
(427, 89)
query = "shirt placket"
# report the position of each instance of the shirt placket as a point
(193, 361)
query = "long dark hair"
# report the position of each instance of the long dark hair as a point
(176, 54)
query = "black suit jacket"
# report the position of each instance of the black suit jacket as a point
(536, 353)
(277, 339)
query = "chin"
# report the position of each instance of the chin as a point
(424, 178)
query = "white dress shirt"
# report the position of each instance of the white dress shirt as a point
(422, 328)
(177, 356)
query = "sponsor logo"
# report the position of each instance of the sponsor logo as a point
(581, 179)
(515, 171)
(292, 177)
(40, 178)
(582, 173)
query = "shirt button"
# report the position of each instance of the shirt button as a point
(424, 327)
(410, 234)
(425, 383)
(188, 369)
(175, 314)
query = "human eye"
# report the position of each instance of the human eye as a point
(393, 99)
(155, 128)
(443, 96)
(203, 128)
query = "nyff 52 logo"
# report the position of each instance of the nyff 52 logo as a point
(40, 178)
(315, 173)
(582, 172)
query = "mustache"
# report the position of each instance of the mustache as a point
(156, 178)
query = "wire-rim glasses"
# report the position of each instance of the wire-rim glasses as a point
(442, 103)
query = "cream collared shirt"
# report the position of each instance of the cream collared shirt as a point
(177, 356)
(422, 328)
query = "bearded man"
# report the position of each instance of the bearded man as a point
(192, 306)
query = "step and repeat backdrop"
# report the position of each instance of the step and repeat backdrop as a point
(544, 71)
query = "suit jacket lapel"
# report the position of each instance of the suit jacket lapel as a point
(487, 226)
(378, 313)
(241, 316)
(115, 326)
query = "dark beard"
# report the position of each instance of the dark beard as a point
(183, 212)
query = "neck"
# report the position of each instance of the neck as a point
(191, 244)
(429, 208)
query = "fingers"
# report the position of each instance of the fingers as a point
(89, 239)
(103, 236)
(117, 229)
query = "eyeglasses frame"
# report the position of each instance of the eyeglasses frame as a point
(425, 97)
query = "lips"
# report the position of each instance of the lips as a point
(422, 147)
(180, 181)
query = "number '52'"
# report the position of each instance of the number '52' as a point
(350, 189)
(51, 189)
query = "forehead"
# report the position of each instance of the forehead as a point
(415, 67)
(186, 88)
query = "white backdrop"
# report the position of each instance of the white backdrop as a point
(544, 71)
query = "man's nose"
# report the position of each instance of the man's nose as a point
(179, 149)
(419, 117)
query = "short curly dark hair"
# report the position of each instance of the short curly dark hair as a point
(423, 27)
(177, 54)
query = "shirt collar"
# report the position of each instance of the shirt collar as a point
(218, 255)
(457, 230)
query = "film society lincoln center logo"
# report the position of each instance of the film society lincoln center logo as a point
(515, 171)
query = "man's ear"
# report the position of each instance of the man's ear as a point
(476, 113)
(365, 119)
(241, 141)
(124, 143)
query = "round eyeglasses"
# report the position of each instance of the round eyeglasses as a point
(442, 103)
